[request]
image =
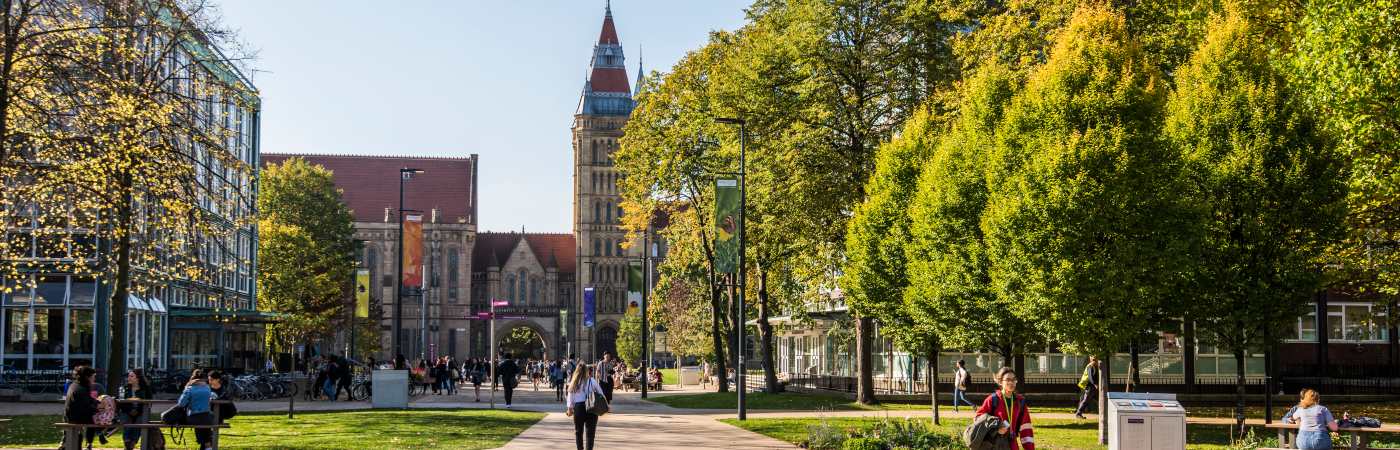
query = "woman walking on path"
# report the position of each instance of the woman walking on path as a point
(582, 386)
(960, 381)
(1006, 405)
(474, 368)
(1315, 422)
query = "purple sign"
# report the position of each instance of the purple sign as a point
(588, 307)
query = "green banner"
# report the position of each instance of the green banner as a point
(727, 225)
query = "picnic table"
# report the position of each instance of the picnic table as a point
(73, 433)
(1360, 437)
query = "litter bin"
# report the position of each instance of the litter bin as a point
(1145, 421)
(690, 375)
(390, 389)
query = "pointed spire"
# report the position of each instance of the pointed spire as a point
(607, 8)
(641, 74)
(609, 33)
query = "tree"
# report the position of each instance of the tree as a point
(128, 173)
(629, 339)
(1086, 225)
(306, 252)
(951, 289)
(1272, 190)
(1345, 61)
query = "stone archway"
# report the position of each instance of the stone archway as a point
(605, 341)
(524, 339)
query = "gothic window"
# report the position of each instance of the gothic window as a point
(595, 151)
(610, 247)
(597, 212)
(595, 181)
(619, 212)
(534, 291)
(608, 212)
(372, 262)
(597, 247)
(452, 261)
(522, 291)
(510, 287)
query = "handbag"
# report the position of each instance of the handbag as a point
(176, 415)
(597, 403)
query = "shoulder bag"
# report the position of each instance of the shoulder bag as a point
(597, 404)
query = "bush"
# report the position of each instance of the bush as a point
(824, 436)
(863, 443)
(908, 433)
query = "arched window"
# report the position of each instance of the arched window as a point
(610, 246)
(597, 212)
(510, 288)
(523, 292)
(452, 261)
(534, 291)
(597, 247)
(619, 212)
(372, 262)
(609, 212)
(595, 151)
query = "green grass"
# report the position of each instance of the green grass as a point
(1049, 434)
(669, 377)
(793, 401)
(359, 429)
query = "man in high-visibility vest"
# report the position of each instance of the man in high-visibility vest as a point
(1088, 385)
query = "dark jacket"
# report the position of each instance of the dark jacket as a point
(135, 412)
(79, 405)
(981, 434)
(507, 372)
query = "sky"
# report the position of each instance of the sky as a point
(455, 78)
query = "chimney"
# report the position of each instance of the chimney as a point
(435, 215)
(386, 215)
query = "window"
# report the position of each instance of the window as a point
(1356, 322)
(452, 260)
(610, 247)
(534, 291)
(597, 247)
(597, 212)
(510, 287)
(609, 212)
(523, 291)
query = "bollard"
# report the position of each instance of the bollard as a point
(291, 402)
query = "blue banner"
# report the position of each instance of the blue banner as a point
(588, 307)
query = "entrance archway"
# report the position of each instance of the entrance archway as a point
(607, 341)
(523, 342)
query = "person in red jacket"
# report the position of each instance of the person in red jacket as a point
(1011, 409)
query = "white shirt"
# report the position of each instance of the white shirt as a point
(584, 391)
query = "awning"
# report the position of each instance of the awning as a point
(134, 303)
(156, 305)
(228, 315)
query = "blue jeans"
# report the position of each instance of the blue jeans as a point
(1314, 440)
(958, 397)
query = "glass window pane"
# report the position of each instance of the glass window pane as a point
(80, 333)
(19, 293)
(16, 332)
(82, 292)
(51, 290)
(48, 331)
(1334, 327)
(1308, 325)
(1206, 366)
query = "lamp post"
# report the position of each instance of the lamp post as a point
(646, 287)
(404, 174)
(743, 199)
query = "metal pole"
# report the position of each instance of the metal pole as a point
(491, 352)
(743, 204)
(646, 273)
(398, 274)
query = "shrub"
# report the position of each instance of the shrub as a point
(825, 436)
(863, 443)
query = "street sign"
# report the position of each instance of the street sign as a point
(500, 303)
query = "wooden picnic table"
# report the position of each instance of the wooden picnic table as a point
(1360, 437)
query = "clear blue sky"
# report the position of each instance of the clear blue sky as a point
(451, 78)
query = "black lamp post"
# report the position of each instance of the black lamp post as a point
(404, 174)
(743, 199)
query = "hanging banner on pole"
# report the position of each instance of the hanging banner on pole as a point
(634, 287)
(413, 251)
(727, 225)
(588, 307)
(362, 293)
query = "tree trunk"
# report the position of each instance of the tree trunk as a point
(116, 356)
(1103, 396)
(717, 331)
(932, 376)
(865, 381)
(765, 333)
(1239, 393)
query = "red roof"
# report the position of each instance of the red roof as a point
(493, 249)
(609, 79)
(371, 183)
(609, 34)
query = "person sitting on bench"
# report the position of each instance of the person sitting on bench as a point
(195, 399)
(80, 404)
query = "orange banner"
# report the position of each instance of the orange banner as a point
(413, 251)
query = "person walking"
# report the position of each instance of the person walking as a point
(1088, 386)
(605, 372)
(1315, 422)
(475, 371)
(582, 386)
(961, 379)
(80, 402)
(557, 379)
(400, 363)
(196, 399)
(137, 387)
(1010, 407)
(508, 372)
(344, 377)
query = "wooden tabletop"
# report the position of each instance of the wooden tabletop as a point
(1381, 429)
(155, 400)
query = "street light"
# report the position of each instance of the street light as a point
(739, 367)
(404, 174)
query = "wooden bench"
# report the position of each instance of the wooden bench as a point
(1360, 437)
(74, 437)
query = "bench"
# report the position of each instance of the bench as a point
(1360, 437)
(74, 436)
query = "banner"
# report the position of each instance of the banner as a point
(413, 251)
(588, 307)
(635, 285)
(362, 293)
(727, 226)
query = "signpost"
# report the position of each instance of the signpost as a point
(491, 352)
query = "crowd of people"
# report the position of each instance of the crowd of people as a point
(85, 403)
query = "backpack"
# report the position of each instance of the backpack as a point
(1084, 379)
(106, 410)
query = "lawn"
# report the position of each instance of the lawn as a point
(359, 429)
(798, 402)
(669, 377)
(1049, 434)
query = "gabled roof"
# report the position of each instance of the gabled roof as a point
(369, 184)
(493, 249)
